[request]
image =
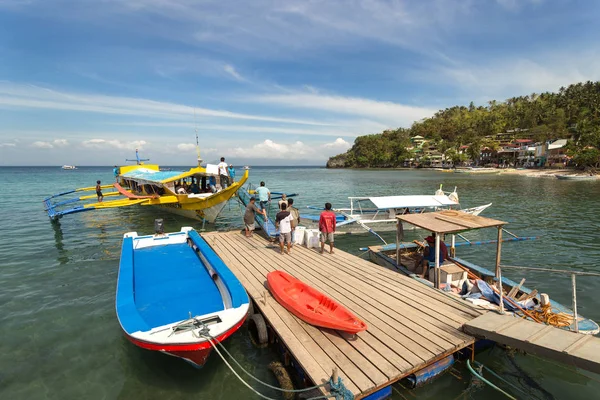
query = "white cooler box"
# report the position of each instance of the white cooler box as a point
(311, 238)
(299, 235)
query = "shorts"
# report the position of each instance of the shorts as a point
(250, 227)
(263, 204)
(326, 236)
(98, 193)
(285, 236)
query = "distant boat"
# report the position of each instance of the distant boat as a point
(174, 293)
(577, 177)
(310, 305)
(69, 167)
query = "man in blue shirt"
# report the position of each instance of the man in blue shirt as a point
(231, 171)
(264, 195)
(116, 173)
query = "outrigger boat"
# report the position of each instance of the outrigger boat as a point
(176, 296)
(186, 193)
(461, 278)
(69, 167)
(370, 213)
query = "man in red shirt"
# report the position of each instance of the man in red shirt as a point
(327, 227)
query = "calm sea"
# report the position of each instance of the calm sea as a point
(60, 338)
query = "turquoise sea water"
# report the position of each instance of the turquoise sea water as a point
(60, 338)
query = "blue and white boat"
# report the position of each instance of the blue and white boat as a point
(176, 296)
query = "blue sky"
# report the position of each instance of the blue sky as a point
(270, 82)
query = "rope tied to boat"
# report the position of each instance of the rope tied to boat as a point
(561, 319)
(337, 389)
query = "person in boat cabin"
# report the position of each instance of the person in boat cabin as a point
(250, 215)
(264, 195)
(283, 221)
(282, 201)
(429, 255)
(212, 184)
(327, 222)
(99, 192)
(231, 172)
(194, 187)
(295, 217)
(223, 177)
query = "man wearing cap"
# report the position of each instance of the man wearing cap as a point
(231, 171)
(429, 254)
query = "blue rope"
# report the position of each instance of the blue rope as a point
(339, 390)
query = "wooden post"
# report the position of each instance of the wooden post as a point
(265, 297)
(453, 246)
(399, 237)
(437, 261)
(334, 375)
(575, 303)
(498, 271)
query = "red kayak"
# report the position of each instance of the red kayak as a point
(310, 305)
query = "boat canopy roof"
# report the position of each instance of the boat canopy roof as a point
(449, 221)
(152, 175)
(386, 202)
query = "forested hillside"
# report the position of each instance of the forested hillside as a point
(571, 112)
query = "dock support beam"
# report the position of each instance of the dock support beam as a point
(399, 238)
(438, 276)
(498, 270)
(575, 303)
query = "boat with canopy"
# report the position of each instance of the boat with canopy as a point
(379, 212)
(463, 279)
(193, 193)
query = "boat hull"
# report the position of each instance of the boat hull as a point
(208, 214)
(176, 296)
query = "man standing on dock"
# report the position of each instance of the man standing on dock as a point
(283, 220)
(250, 216)
(327, 223)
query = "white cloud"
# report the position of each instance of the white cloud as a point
(298, 150)
(60, 142)
(230, 69)
(42, 145)
(500, 79)
(338, 143)
(186, 146)
(271, 149)
(8, 145)
(116, 144)
(29, 96)
(388, 112)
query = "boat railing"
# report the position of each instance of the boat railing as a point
(571, 272)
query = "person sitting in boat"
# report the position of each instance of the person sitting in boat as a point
(428, 259)
(212, 184)
(194, 187)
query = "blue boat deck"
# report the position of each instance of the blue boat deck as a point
(170, 282)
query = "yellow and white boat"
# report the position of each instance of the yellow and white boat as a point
(187, 193)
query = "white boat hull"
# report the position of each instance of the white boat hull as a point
(208, 214)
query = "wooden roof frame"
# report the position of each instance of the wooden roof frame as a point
(449, 221)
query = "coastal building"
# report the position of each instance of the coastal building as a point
(556, 155)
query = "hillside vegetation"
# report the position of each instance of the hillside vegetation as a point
(573, 112)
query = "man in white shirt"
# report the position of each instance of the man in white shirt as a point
(283, 220)
(223, 175)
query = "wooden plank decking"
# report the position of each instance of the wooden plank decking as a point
(410, 324)
(582, 351)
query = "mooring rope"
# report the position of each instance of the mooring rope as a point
(337, 389)
(482, 379)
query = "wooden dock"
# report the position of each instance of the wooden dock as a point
(582, 351)
(410, 324)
